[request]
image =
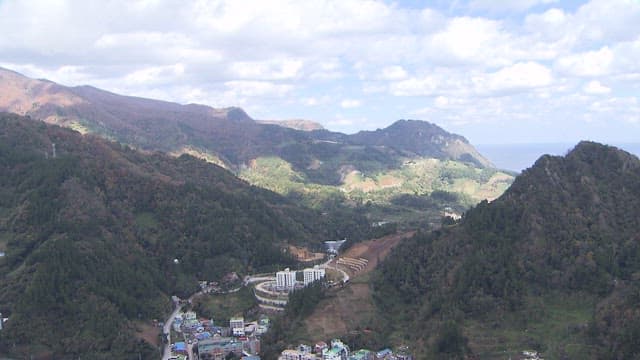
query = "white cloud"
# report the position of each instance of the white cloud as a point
(515, 59)
(350, 103)
(500, 6)
(509, 79)
(374, 88)
(418, 86)
(469, 40)
(327, 69)
(154, 75)
(594, 87)
(519, 76)
(244, 88)
(284, 69)
(444, 102)
(590, 63)
(316, 101)
(394, 72)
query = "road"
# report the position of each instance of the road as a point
(252, 279)
(269, 307)
(167, 331)
(326, 265)
(261, 287)
(268, 301)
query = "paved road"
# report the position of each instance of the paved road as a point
(261, 287)
(345, 276)
(270, 301)
(167, 331)
(269, 307)
(252, 279)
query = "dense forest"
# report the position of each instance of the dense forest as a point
(552, 265)
(96, 234)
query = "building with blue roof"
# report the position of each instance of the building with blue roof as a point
(180, 347)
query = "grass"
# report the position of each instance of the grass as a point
(77, 126)
(554, 325)
(222, 307)
(417, 177)
(200, 154)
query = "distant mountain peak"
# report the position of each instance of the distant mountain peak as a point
(423, 138)
(237, 114)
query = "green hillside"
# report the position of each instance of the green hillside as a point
(553, 265)
(420, 188)
(97, 235)
(322, 168)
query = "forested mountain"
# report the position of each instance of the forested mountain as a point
(319, 167)
(96, 234)
(423, 139)
(553, 264)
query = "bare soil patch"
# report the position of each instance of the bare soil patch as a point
(303, 254)
(373, 250)
(148, 332)
(351, 307)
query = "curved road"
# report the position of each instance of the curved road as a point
(268, 301)
(252, 279)
(345, 276)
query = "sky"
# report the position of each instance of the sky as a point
(494, 71)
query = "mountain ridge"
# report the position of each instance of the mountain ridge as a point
(113, 114)
(565, 229)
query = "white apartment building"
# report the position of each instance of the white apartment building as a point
(237, 326)
(311, 275)
(285, 280)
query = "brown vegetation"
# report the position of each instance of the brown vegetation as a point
(352, 307)
(303, 254)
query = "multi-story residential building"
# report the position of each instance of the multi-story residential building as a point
(285, 280)
(218, 348)
(236, 324)
(312, 274)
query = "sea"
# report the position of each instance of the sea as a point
(517, 157)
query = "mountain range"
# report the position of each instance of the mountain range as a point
(228, 133)
(297, 157)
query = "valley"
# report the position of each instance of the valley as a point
(445, 255)
(319, 180)
(393, 172)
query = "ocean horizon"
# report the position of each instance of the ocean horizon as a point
(517, 157)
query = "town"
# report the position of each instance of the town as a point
(200, 338)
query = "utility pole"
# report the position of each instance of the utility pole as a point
(53, 146)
